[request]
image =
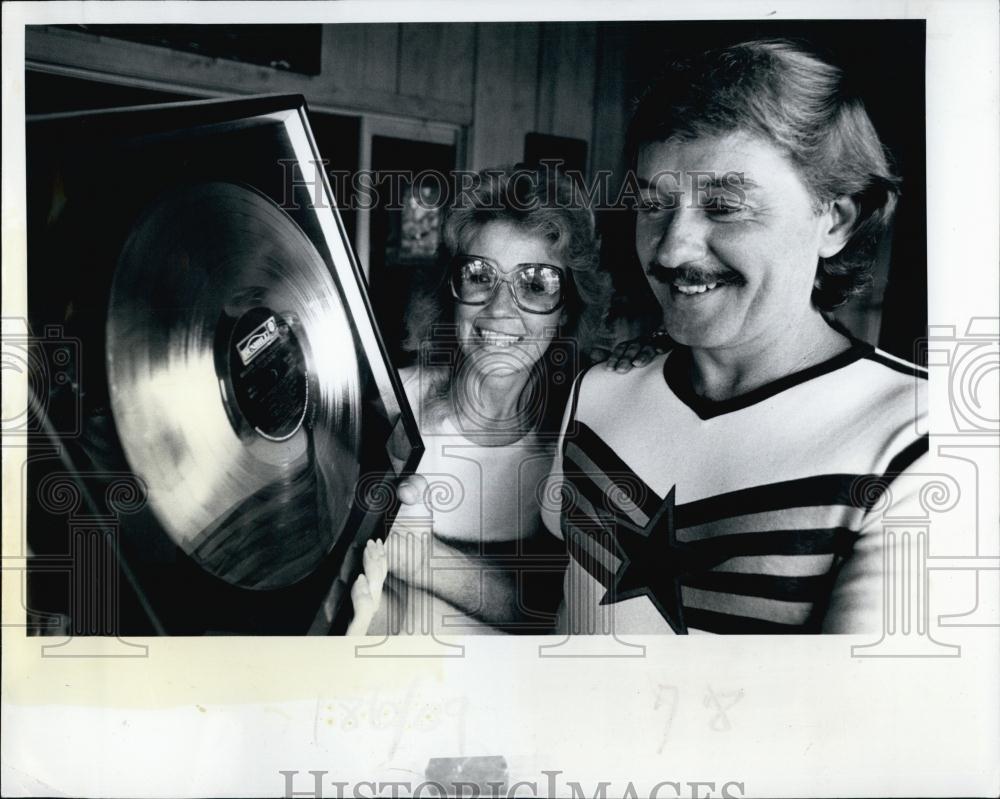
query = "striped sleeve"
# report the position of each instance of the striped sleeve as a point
(858, 600)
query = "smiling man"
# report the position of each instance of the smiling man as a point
(738, 485)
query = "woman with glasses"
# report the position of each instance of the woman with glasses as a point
(498, 346)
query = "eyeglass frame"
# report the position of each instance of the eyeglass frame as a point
(510, 285)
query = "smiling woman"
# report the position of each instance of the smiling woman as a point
(516, 322)
(526, 230)
(520, 299)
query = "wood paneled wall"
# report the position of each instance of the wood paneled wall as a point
(556, 78)
(497, 80)
(506, 91)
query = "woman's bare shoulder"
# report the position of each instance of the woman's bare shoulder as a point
(419, 381)
(422, 386)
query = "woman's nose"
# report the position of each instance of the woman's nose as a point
(502, 303)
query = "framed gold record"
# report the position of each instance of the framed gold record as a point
(229, 374)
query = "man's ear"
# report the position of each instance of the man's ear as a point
(839, 220)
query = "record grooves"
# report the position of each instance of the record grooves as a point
(222, 328)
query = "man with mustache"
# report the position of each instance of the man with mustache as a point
(738, 484)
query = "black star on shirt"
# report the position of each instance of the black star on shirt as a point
(652, 563)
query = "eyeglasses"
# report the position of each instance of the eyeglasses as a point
(536, 288)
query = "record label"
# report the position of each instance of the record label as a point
(268, 372)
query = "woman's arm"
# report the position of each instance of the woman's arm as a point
(505, 583)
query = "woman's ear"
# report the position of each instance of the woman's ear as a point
(563, 317)
(839, 220)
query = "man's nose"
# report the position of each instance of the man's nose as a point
(682, 238)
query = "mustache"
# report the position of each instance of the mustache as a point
(692, 275)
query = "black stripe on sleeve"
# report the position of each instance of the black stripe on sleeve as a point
(823, 489)
(872, 487)
(768, 586)
(907, 456)
(729, 624)
(833, 540)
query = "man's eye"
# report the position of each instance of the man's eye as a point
(651, 203)
(722, 206)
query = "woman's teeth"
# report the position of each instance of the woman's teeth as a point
(496, 339)
(695, 289)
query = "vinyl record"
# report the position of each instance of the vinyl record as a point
(234, 383)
